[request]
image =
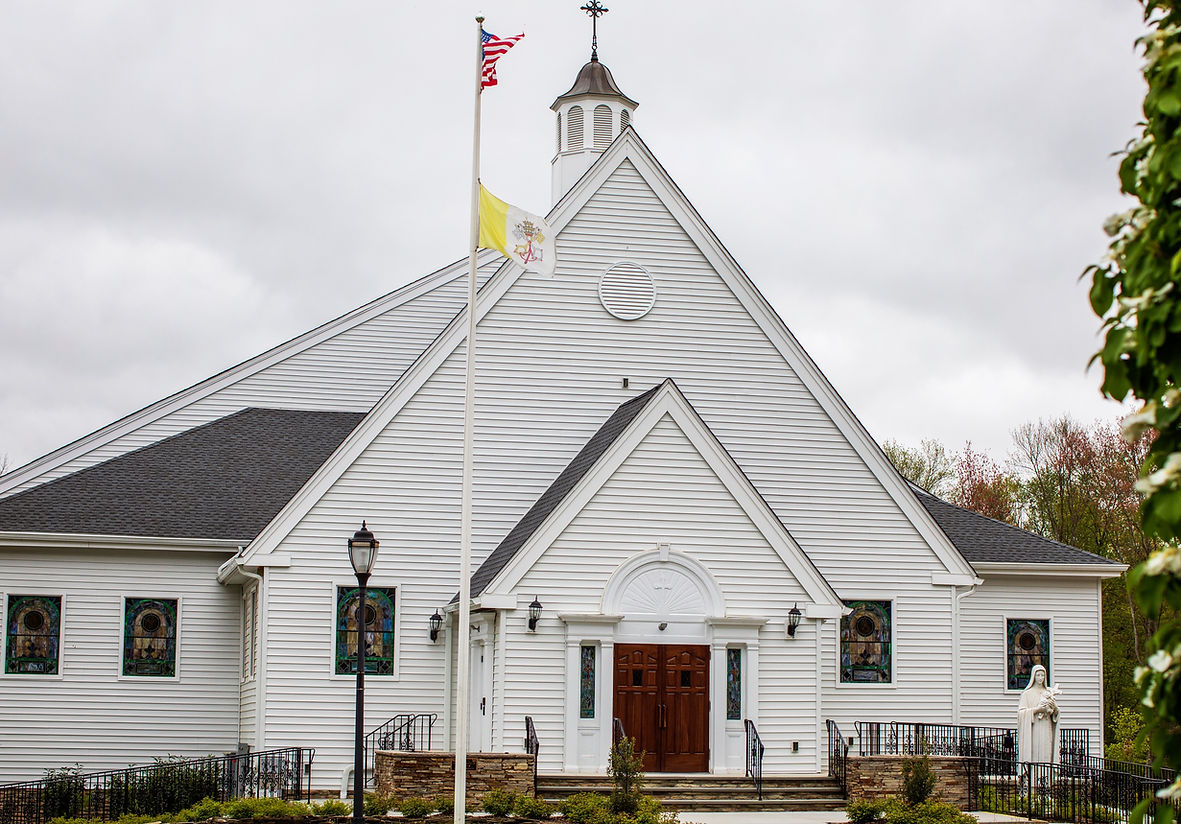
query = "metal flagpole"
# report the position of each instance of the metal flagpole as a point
(463, 652)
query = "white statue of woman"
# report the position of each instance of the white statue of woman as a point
(1037, 720)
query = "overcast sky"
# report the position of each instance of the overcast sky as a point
(915, 186)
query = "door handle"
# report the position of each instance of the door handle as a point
(482, 700)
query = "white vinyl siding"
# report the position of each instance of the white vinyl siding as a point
(1072, 607)
(91, 715)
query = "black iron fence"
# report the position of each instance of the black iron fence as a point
(1062, 792)
(754, 756)
(838, 756)
(168, 786)
(997, 744)
(409, 732)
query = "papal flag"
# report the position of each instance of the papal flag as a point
(519, 236)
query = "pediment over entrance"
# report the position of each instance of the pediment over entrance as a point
(662, 585)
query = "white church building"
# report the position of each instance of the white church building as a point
(659, 465)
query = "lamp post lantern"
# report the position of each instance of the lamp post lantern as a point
(363, 556)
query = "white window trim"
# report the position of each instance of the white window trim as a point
(1032, 615)
(248, 670)
(399, 599)
(147, 679)
(61, 639)
(892, 684)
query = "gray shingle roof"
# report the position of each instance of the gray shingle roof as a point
(984, 540)
(225, 480)
(599, 443)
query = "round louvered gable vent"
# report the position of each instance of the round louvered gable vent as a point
(627, 291)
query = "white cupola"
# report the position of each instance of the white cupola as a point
(589, 117)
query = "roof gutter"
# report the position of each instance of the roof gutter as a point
(1104, 570)
(66, 540)
(237, 571)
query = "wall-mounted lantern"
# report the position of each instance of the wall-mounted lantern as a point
(436, 624)
(793, 620)
(534, 614)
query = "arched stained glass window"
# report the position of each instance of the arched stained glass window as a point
(1028, 644)
(32, 631)
(865, 643)
(378, 618)
(149, 636)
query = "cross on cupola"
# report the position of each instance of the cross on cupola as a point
(596, 10)
(590, 116)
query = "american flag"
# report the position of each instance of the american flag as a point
(494, 49)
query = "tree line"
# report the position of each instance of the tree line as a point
(1076, 484)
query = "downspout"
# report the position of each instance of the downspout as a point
(956, 597)
(260, 677)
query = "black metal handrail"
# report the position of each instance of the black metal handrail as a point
(838, 756)
(998, 744)
(1061, 792)
(168, 786)
(754, 756)
(533, 747)
(406, 731)
(617, 732)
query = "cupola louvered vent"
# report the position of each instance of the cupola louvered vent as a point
(625, 117)
(627, 291)
(574, 128)
(559, 132)
(602, 126)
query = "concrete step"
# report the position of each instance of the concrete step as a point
(708, 792)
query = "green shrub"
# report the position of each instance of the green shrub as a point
(650, 811)
(865, 810)
(499, 802)
(377, 805)
(918, 779)
(333, 806)
(61, 796)
(926, 813)
(445, 804)
(1127, 740)
(526, 806)
(586, 808)
(203, 810)
(263, 808)
(626, 769)
(415, 807)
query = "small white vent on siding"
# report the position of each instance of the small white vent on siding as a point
(559, 132)
(602, 126)
(625, 117)
(574, 128)
(627, 291)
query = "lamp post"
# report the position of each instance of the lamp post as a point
(363, 557)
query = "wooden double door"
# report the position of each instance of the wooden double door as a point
(662, 698)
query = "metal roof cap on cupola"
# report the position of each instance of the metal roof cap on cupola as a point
(589, 117)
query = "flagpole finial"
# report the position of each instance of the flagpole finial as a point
(595, 10)
(479, 19)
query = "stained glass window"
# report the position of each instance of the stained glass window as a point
(149, 637)
(865, 643)
(1028, 644)
(586, 682)
(378, 617)
(733, 685)
(32, 631)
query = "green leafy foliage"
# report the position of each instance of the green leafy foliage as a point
(918, 779)
(587, 808)
(1136, 290)
(203, 810)
(499, 802)
(332, 806)
(264, 808)
(376, 805)
(925, 813)
(445, 804)
(526, 806)
(1126, 740)
(415, 807)
(625, 768)
(865, 810)
(63, 790)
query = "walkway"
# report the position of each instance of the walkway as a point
(822, 817)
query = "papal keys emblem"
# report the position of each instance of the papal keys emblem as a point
(529, 239)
